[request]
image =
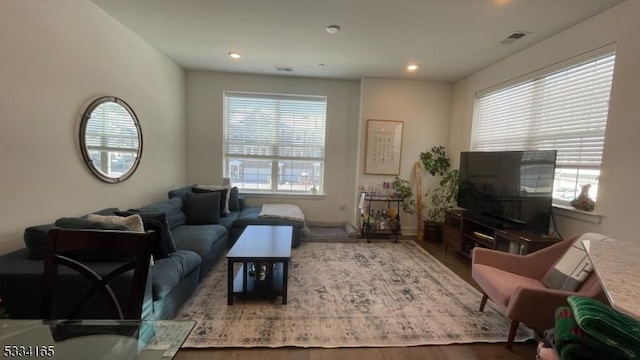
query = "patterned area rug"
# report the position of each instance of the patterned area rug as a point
(349, 295)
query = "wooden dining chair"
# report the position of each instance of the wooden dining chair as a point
(126, 251)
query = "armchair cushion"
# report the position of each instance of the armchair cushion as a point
(573, 268)
(502, 284)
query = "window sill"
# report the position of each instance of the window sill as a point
(570, 212)
(268, 194)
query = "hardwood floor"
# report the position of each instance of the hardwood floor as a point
(457, 264)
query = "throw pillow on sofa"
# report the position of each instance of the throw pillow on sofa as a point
(226, 194)
(202, 208)
(234, 199)
(158, 223)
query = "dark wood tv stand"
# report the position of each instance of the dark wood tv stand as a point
(462, 235)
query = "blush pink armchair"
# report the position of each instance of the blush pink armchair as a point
(514, 284)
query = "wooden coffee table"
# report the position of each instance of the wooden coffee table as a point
(260, 244)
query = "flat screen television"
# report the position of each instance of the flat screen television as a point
(508, 189)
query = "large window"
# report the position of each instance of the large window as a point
(274, 143)
(563, 107)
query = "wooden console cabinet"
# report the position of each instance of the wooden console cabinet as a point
(463, 235)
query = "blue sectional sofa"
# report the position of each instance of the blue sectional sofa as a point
(171, 280)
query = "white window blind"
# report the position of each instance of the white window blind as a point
(564, 108)
(274, 142)
(267, 126)
(111, 129)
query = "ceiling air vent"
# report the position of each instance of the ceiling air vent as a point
(513, 37)
(284, 68)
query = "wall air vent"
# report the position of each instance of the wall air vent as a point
(284, 68)
(513, 37)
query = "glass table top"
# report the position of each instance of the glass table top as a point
(93, 339)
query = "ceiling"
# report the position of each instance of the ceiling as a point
(447, 39)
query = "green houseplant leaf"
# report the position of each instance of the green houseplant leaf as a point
(442, 198)
(435, 161)
(403, 189)
(438, 200)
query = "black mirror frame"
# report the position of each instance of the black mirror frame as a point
(83, 146)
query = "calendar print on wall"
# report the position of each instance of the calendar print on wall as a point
(383, 147)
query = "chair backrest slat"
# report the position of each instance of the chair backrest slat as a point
(63, 249)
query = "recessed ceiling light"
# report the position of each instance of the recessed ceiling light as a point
(234, 55)
(412, 67)
(332, 29)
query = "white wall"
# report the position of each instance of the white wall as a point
(57, 56)
(205, 138)
(424, 107)
(617, 196)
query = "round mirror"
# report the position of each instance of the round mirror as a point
(110, 139)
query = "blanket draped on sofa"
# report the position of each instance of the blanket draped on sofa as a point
(282, 211)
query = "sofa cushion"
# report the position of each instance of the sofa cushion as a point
(202, 208)
(106, 211)
(180, 192)
(573, 268)
(158, 223)
(198, 238)
(228, 220)
(168, 272)
(172, 208)
(35, 240)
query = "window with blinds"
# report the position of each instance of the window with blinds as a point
(274, 142)
(563, 107)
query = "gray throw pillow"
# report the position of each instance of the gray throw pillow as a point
(234, 200)
(202, 208)
(223, 198)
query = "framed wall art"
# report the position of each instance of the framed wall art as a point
(383, 147)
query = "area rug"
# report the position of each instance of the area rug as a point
(358, 294)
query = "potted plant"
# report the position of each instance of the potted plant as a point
(405, 194)
(442, 198)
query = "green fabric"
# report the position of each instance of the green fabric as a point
(573, 343)
(609, 326)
